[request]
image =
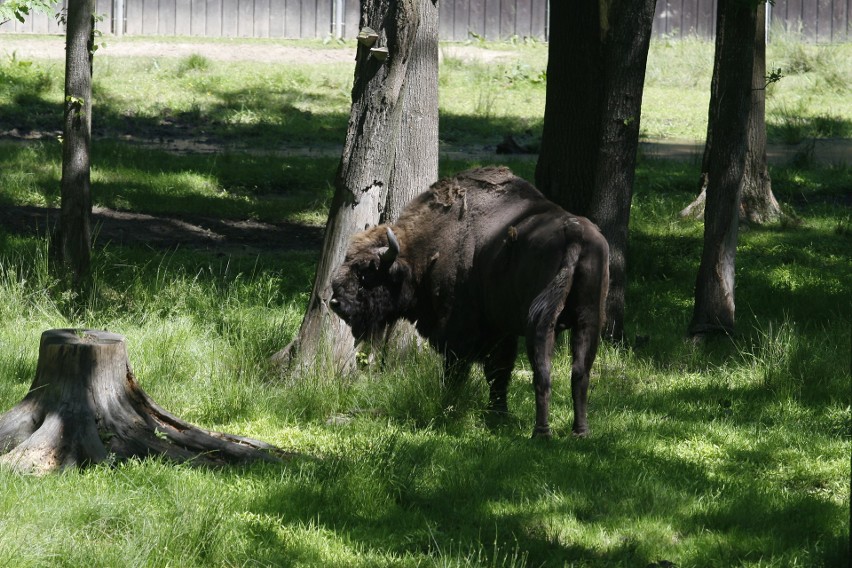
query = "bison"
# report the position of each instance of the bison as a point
(475, 262)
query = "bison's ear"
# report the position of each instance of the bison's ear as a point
(399, 272)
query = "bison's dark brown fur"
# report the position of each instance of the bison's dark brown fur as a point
(475, 262)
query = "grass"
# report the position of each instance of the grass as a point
(248, 104)
(730, 453)
(807, 102)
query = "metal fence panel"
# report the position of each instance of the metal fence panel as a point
(47, 24)
(459, 20)
(681, 18)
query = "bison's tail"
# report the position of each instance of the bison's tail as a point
(547, 306)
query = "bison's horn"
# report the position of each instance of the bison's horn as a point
(389, 255)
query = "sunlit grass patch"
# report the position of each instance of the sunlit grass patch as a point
(193, 63)
(266, 188)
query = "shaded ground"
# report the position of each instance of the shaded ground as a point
(121, 227)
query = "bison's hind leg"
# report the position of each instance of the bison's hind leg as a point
(545, 316)
(541, 338)
(540, 352)
(584, 346)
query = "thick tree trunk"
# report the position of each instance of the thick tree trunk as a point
(758, 205)
(625, 57)
(415, 162)
(567, 159)
(85, 407)
(714, 287)
(75, 234)
(596, 73)
(390, 155)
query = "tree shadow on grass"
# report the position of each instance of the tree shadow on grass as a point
(198, 233)
(792, 128)
(484, 132)
(612, 499)
(248, 119)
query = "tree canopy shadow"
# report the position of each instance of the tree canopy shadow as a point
(501, 497)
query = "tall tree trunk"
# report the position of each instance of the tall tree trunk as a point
(415, 164)
(696, 208)
(714, 287)
(390, 155)
(75, 233)
(758, 205)
(595, 79)
(570, 137)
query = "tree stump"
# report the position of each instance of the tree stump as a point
(85, 407)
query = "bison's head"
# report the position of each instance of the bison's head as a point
(373, 287)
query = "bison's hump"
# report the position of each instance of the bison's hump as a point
(447, 191)
(491, 175)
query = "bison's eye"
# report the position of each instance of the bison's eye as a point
(368, 277)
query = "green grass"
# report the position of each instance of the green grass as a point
(809, 101)
(253, 104)
(734, 452)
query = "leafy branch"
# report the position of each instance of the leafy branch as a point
(774, 76)
(20, 9)
(77, 107)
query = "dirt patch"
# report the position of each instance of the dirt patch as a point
(22, 47)
(170, 232)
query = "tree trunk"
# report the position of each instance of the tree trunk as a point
(390, 155)
(85, 407)
(565, 171)
(415, 163)
(75, 234)
(714, 287)
(696, 208)
(758, 205)
(595, 79)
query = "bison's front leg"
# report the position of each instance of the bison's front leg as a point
(456, 373)
(498, 367)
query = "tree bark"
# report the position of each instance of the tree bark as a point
(595, 79)
(696, 208)
(565, 171)
(714, 288)
(75, 233)
(758, 205)
(85, 407)
(390, 155)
